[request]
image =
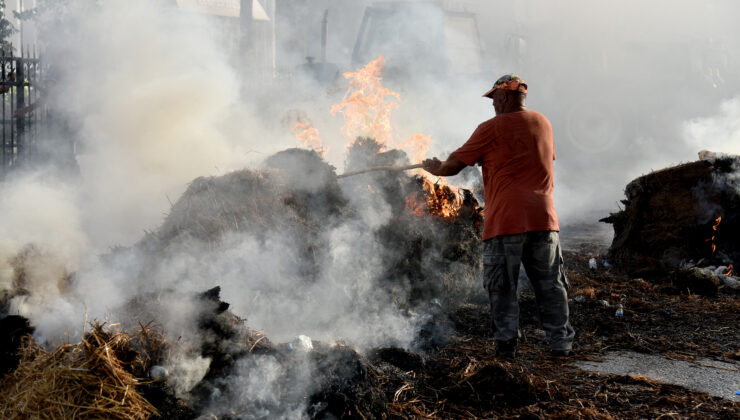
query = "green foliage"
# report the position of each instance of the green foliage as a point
(6, 29)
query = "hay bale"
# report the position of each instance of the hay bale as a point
(92, 379)
(240, 201)
(669, 217)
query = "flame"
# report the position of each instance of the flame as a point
(730, 270)
(415, 205)
(309, 135)
(715, 228)
(364, 107)
(440, 200)
(417, 146)
(367, 108)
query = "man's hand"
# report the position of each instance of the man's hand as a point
(452, 166)
(432, 165)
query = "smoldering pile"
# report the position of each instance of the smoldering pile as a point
(682, 224)
(429, 242)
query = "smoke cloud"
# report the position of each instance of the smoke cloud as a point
(158, 99)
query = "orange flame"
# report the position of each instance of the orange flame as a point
(730, 270)
(414, 205)
(417, 146)
(309, 135)
(715, 228)
(444, 201)
(367, 108)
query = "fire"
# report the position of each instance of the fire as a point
(441, 200)
(414, 205)
(364, 107)
(367, 108)
(417, 146)
(715, 228)
(730, 270)
(309, 135)
(716, 225)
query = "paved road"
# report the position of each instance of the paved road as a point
(710, 376)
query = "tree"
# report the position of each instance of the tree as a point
(6, 30)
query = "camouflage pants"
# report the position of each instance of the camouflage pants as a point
(542, 258)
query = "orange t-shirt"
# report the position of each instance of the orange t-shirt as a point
(516, 152)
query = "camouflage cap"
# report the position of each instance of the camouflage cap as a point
(510, 81)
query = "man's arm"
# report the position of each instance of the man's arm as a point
(451, 166)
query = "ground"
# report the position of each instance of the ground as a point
(465, 380)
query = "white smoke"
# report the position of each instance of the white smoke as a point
(719, 133)
(157, 100)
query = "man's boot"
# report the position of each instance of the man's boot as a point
(506, 349)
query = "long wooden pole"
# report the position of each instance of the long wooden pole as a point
(380, 168)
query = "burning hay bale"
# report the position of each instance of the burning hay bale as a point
(680, 216)
(236, 202)
(93, 379)
(430, 238)
(431, 242)
(298, 191)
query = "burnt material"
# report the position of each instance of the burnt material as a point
(694, 280)
(684, 213)
(347, 387)
(13, 329)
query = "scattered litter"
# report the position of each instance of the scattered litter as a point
(302, 342)
(620, 311)
(644, 286)
(158, 374)
(592, 263)
(605, 263)
(580, 298)
(605, 303)
(737, 392)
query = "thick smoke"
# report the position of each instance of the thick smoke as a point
(156, 107)
(618, 80)
(718, 133)
(158, 100)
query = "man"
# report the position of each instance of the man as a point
(516, 151)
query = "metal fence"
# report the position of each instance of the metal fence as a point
(23, 110)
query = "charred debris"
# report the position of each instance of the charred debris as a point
(131, 370)
(681, 225)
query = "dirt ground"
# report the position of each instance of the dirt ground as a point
(465, 379)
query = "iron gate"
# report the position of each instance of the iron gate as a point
(22, 106)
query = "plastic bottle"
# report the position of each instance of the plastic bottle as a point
(592, 263)
(620, 311)
(302, 342)
(158, 373)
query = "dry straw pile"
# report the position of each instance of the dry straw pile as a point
(95, 378)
